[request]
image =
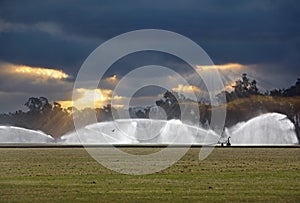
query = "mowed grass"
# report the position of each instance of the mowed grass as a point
(227, 175)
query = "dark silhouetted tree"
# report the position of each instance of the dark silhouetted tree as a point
(38, 105)
(106, 113)
(292, 91)
(170, 103)
(243, 88)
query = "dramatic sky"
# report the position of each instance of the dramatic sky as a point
(44, 43)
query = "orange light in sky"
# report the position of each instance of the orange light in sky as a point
(89, 98)
(111, 80)
(186, 89)
(230, 86)
(92, 98)
(222, 67)
(42, 72)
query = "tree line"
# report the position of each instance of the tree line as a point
(244, 102)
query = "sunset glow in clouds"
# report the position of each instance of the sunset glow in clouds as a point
(42, 77)
(41, 54)
(186, 89)
(228, 66)
(88, 98)
(113, 79)
(92, 98)
(38, 72)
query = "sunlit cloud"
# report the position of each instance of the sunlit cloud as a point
(229, 87)
(34, 81)
(186, 89)
(116, 97)
(92, 98)
(118, 106)
(228, 66)
(109, 82)
(229, 72)
(112, 79)
(88, 98)
(41, 72)
(34, 72)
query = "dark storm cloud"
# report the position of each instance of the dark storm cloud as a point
(208, 20)
(61, 34)
(36, 48)
(248, 31)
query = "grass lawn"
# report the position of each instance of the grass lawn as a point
(227, 175)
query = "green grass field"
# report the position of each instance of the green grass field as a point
(227, 175)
